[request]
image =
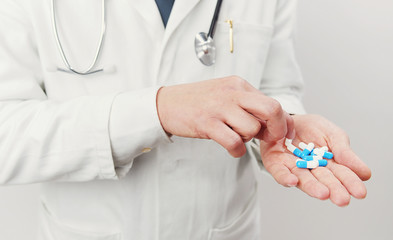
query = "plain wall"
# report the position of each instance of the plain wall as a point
(345, 49)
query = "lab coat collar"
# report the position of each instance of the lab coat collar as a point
(180, 10)
(149, 11)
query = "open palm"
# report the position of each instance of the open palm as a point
(341, 178)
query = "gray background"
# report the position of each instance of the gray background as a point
(345, 49)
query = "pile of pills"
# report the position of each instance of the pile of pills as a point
(309, 156)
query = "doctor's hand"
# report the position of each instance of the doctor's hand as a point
(340, 179)
(227, 110)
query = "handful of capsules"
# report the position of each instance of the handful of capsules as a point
(310, 157)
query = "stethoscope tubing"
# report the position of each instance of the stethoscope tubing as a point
(99, 48)
(214, 19)
(89, 70)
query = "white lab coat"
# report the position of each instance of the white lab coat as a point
(88, 137)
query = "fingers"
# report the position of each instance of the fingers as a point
(306, 181)
(268, 110)
(349, 179)
(338, 193)
(243, 112)
(310, 185)
(261, 130)
(271, 113)
(339, 181)
(243, 123)
(348, 158)
(343, 154)
(282, 174)
(226, 137)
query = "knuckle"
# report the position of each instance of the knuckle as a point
(238, 81)
(235, 78)
(275, 108)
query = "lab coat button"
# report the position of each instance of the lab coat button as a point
(146, 150)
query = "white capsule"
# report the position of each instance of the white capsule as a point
(288, 142)
(302, 145)
(318, 151)
(325, 148)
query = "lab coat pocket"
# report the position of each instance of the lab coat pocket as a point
(250, 49)
(54, 229)
(244, 227)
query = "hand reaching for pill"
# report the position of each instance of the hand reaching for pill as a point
(339, 180)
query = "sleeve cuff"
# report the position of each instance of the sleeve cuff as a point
(134, 127)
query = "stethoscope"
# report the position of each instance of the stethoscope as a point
(204, 45)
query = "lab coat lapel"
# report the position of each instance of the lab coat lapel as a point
(180, 10)
(149, 11)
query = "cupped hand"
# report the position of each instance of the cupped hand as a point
(343, 176)
(227, 110)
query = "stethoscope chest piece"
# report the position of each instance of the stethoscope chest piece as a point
(204, 45)
(205, 49)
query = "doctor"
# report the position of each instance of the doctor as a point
(124, 150)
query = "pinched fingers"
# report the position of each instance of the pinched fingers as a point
(243, 123)
(269, 110)
(235, 111)
(226, 137)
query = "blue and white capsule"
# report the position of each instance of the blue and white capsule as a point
(296, 151)
(312, 157)
(322, 162)
(307, 150)
(307, 164)
(323, 152)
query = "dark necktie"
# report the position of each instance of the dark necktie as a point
(165, 7)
